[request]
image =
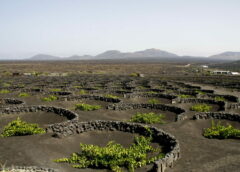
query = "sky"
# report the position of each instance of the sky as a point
(69, 27)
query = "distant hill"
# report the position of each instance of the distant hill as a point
(233, 66)
(44, 57)
(152, 53)
(156, 53)
(145, 55)
(227, 56)
(111, 54)
(76, 57)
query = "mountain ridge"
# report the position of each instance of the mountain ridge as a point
(228, 55)
(144, 54)
(110, 54)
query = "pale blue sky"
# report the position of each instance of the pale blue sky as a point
(67, 27)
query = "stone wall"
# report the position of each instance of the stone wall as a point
(126, 106)
(90, 97)
(59, 93)
(136, 95)
(233, 106)
(71, 116)
(33, 90)
(227, 97)
(28, 169)
(12, 101)
(207, 91)
(217, 115)
(148, 90)
(164, 139)
(222, 105)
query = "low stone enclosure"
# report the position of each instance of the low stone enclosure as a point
(169, 142)
(227, 97)
(5, 102)
(27, 169)
(136, 95)
(217, 115)
(71, 116)
(59, 93)
(127, 106)
(222, 105)
(90, 97)
(33, 90)
(233, 106)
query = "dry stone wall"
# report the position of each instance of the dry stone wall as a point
(136, 95)
(164, 139)
(28, 169)
(222, 104)
(127, 106)
(233, 106)
(90, 97)
(12, 101)
(217, 115)
(71, 116)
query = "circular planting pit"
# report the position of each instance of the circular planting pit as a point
(171, 113)
(147, 97)
(42, 115)
(188, 103)
(112, 130)
(124, 115)
(223, 125)
(91, 97)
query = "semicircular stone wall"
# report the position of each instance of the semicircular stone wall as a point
(159, 136)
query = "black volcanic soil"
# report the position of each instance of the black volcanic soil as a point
(202, 154)
(41, 150)
(145, 100)
(198, 154)
(124, 115)
(41, 118)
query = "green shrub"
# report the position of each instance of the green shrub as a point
(21, 128)
(201, 108)
(134, 74)
(96, 88)
(200, 92)
(153, 101)
(21, 85)
(56, 89)
(114, 156)
(49, 98)
(219, 98)
(148, 118)
(152, 92)
(77, 86)
(111, 96)
(82, 92)
(87, 107)
(219, 131)
(185, 96)
(23, 95)
(141, 87)
(6, 85)
(4, 91)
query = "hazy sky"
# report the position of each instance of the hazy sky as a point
(67, 27)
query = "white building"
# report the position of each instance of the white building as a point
(204, 66)
(235, 73)
(221, 72)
